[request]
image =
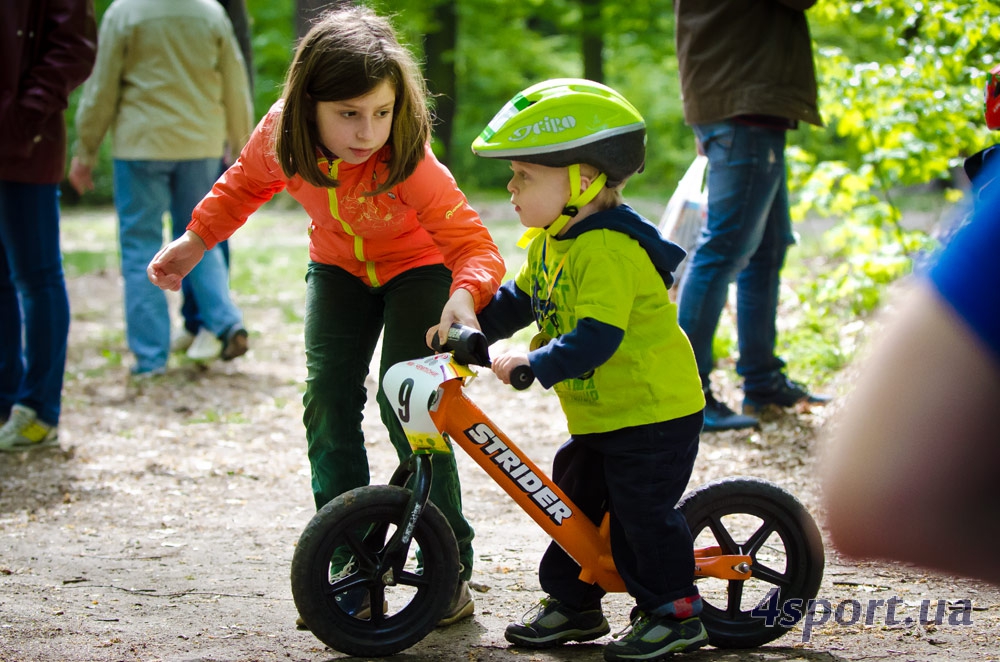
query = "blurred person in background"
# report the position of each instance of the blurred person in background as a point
(48, 49)
(193, 338)
(171, 86)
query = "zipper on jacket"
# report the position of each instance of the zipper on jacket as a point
(359, 244)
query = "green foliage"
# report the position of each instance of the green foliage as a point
(503, 47)
(900, 82)
(259, 267)
(273, 28)
(904, 108)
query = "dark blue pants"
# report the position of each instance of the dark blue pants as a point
(34, 305)
(638, 474)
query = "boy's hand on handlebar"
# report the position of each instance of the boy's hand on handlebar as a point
(460, 309)
(175, 260)
(504, 364)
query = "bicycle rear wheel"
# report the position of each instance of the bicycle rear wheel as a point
(757, 518)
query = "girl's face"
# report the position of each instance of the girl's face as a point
(354, 129)
(538, 193)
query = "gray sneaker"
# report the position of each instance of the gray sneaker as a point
(180, 340)
(551, 623)
(651, 637)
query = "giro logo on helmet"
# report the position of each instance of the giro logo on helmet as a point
(545, 125)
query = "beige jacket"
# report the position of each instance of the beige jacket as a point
(169, 83)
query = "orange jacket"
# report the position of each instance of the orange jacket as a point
(424, 220)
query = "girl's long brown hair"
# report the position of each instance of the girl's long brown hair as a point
(346, 54)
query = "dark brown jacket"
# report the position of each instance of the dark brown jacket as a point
(47, 48)
(745, 57)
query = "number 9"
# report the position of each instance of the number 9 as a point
(405, 391)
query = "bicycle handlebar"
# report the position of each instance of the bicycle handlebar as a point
(521, 377)
(469, 347)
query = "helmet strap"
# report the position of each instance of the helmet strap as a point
(577, 200)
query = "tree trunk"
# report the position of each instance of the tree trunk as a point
(592, 40)
(439, 51)
(306, 11)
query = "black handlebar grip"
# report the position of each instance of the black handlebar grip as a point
(521, 377)
(436, 344)
(467, 345)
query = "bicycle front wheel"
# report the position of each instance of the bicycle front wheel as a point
(336, 583)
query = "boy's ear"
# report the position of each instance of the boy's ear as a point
(588, 174)
(585, 182)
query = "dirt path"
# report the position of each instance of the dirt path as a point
(163, 527)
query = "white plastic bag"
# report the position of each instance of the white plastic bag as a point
(686, 214)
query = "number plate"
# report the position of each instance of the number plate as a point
(413, 389)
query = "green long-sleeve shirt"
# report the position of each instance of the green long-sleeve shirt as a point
(169, 82)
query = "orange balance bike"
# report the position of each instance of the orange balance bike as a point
(756, 547)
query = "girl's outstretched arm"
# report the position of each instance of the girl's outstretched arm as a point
(176, 260)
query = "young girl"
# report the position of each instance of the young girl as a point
(394, 246)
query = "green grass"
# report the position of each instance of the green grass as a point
(81, 263)
(89, 239)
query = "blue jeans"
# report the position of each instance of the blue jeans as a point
(34, 306)
(746, 238)
(189, 304)
(144, 190)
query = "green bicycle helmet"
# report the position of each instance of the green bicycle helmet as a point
(564, 121)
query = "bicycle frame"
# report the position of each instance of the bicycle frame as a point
(431, 403)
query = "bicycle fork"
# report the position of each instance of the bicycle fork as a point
(415, 474)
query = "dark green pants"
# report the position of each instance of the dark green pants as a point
(343, 320)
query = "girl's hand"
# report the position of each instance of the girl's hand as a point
(176, 260)
(429, 336)
(504, 364)
(460, 309)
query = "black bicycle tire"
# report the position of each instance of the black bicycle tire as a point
(379, 635)
(798, 532)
